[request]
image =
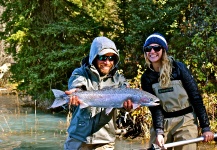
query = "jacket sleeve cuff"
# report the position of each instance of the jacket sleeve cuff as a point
(159, 132)
(205, 129)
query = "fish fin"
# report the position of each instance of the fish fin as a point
(58, 102)
(112, 87)
(57, 93)
(108, 110)
(135, 106)
(83, 105)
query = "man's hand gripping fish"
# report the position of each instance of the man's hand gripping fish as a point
(107, 98)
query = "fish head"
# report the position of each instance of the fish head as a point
(147, 101)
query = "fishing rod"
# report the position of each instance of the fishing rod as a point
(174, 144)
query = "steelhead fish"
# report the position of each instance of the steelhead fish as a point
(108, 98)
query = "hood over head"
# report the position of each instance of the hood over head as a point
(100, 46)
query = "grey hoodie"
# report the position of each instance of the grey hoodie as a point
(92, 125)
(98, 45)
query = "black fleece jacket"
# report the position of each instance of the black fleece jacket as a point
(179, 72)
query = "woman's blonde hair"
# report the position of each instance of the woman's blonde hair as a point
(165, 71)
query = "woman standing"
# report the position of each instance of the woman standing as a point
(181, 103)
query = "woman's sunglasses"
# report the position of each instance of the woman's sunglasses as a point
(104, 58)
(156, 48)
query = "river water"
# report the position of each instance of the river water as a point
(25, 128)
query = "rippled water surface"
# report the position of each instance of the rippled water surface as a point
(25, 128)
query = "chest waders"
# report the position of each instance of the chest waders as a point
(180, 121)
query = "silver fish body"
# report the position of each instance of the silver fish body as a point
(108, 98)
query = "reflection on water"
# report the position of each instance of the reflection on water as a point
(24, 128)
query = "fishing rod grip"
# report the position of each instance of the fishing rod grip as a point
(173, 144)
(168, 145)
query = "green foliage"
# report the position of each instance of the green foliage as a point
(49, 39)
(135, 82)
(141, 115)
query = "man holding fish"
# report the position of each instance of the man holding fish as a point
(93, 127)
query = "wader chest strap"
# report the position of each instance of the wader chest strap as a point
(177, 113)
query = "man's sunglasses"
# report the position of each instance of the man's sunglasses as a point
(156, 48)
(104, 58)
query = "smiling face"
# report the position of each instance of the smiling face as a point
(154, 56)
(105, 66)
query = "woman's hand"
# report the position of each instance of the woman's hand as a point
(208, 136)
(160, 140)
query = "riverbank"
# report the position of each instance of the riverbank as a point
(22, 98)
(6, 91)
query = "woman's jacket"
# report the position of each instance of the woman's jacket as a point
(179, 72)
